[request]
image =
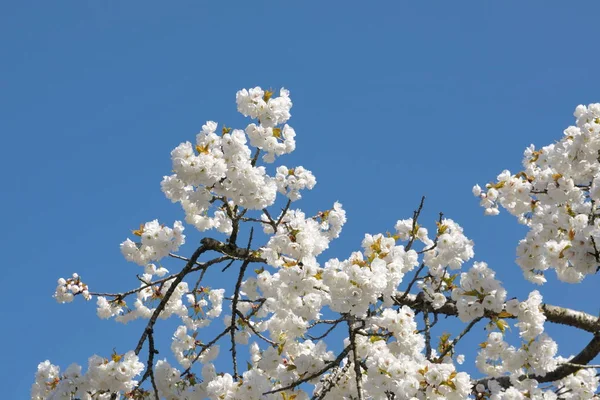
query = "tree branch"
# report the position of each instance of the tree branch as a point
(554, 314)
(167, 296)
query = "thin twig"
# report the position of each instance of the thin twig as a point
(204, 348)
(199, 266)
(283, 212)
(456, 339)
(332, 327)
(177, 256)
(413, 233)
(227, 266)
(249, 324)
(236, 295)
(412, 282)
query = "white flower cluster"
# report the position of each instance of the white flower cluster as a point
(407, 228)
(556, 196)
(107, 309)
(103, 376)
(301, 238)
(275, 141)
(443, 382)
(156, 242)
(537, 354)
(479, 291)
(531, 318)
(581, 385)
(512, 192)
(294, 296)
(526, 389)
(291, 181)
(451, 250)
(541, 354)
(143, 308)
(497, 357)
(387, 370)
(358, 282)
(184, 345)
(223, 167)
(287, 365)
(67, 289)
(258, 104)
(253, 383)
(402, 325)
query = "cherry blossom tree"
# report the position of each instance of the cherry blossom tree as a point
(280, 312)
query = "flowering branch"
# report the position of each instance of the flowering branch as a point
(222, 184)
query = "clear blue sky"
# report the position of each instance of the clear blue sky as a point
(392, 101)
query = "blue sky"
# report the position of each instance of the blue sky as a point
(392, 101)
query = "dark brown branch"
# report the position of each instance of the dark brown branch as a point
(427, 333)
(204, 348)
(236, 296)
(271, 221)
(216, 339)
(326, 368)
(232, 251)
(235, 224)
(161, 306)
(255, 158)
(355, 360)
(412, 282)
(554, 314)
(199, 266)
(283, 212)
(332, 380)
(150, 366)
(229, 264)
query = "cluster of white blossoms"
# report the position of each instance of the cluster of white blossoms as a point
(67, 289)
(535, 356)
(531, 319)
(294, 297)
(291, 180)
(103, 377)
(223, 166)
(259, 104)
(479, 291)
(450, 249)
(387, 369)
(299, 239)
(156, 242)
(282, 311)
(192, 315)
(358, 282)
(275, 141)
(582, 384)
(402, 326)
(556, 196)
